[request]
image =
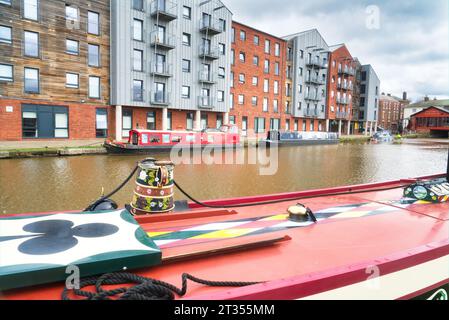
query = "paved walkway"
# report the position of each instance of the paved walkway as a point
(32, 144)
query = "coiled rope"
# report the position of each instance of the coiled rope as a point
(146, 288)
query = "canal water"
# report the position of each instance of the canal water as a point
(71, 183)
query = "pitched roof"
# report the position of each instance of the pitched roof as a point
(446, 110)
(430, 103)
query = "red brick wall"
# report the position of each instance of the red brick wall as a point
(389, 113)
(340, 55)
(250, 70)
(82, 123)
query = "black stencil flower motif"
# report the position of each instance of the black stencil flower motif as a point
(56, 236)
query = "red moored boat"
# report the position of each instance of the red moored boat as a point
(368, 242)
(144, 141)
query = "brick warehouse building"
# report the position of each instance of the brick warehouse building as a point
(391, 113)
(54, 69)
(258, 80)
(340, 87)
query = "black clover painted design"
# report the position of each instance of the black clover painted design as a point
(56, 236)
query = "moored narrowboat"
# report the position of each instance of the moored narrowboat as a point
(287, 138)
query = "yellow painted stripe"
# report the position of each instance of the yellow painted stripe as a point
(275, 218)
(155, 234)
(224, 234)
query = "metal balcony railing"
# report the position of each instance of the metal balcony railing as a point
(312, 96)
(161, 69)
(211, 26)
(163, 41)
(209, 52)
(311, 113)
(206, 102)
(207, 77)
(343, 101)
(342, 115)
(346, 71)
(314, 80)
(316, 63)
(345, 86)
(164, 10)
(161, 98)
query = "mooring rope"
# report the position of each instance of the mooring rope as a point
(146, 288)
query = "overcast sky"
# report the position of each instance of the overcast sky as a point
(408, 45)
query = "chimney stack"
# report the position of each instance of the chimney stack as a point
(389, 94)
(426, 98)
(404, 95)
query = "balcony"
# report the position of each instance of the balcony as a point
(343, 101)
(164, 10)
(315, 81)
(206, 52)
(205, 102)
(211, 26)
(311, 113)
(162, 41)
(342, 115)
(207, 77)
(345, 86)
(346, 71)
(316, 63)
(312, 97)
(160, 98)
(161, 70)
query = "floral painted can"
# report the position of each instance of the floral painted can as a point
(154, 188)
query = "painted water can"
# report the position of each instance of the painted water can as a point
(435, 191)
(154, 188)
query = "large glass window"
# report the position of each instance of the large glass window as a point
(94, 55)
(30, 9)
(101, 123)
(31, 78)
(29, 125)
(5, 34)
(94, 87)
(31, 44)
(138, 90)
(61, 125)
(127, 123)
(138, 60)
(93, 23)
(151, 120)
(72, 46)
(45, 121)
(259, 125)
(6, 72)
(138, 30)
(72, 80)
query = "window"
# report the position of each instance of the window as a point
(219, 121)
(138, 90)
(277, 49)
(300, 71)
(233, 35)
(151, 120)
(6, 72)
(29, 124)
(94, 87)
(61, 125)
(222, 48)
(93, 23)
(72, 80)
(220, 96)
(266, 85)
(93, 55)
(31, 44)
(222, 24)
(231, 101)
(71, 13)
(101, 123)
(72, 47)
(187, 12)
(364, 76)
(301, 54)
(185, 65)
(232, 56)
(265, 105)
(255, 81)
(256, 60)
(259, 125)
(275, 106)
(138, 5)
(185, 92)
(266, 67)
(242, 35)
(221, 72)
(186, 39)
(241, 99)
(138, 30)
(276, 87)
(204, 121)
(127, 122)
(232, 79)
(138, 60)
(267, 46)
(30, 9)
(296, 125)
(189, 125)
(241, 78)
(169, 121)
(31, 80)
(256, 40)
(5, 34)
(242, 56)
(276, 68)
(231, 119)
(275, 124)
(254, 101)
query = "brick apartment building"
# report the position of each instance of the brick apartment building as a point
(391, 113)
(54, 69)
(258, 80)
(340, 87)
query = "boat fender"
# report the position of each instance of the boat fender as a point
(301, 213)
(105, 205)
